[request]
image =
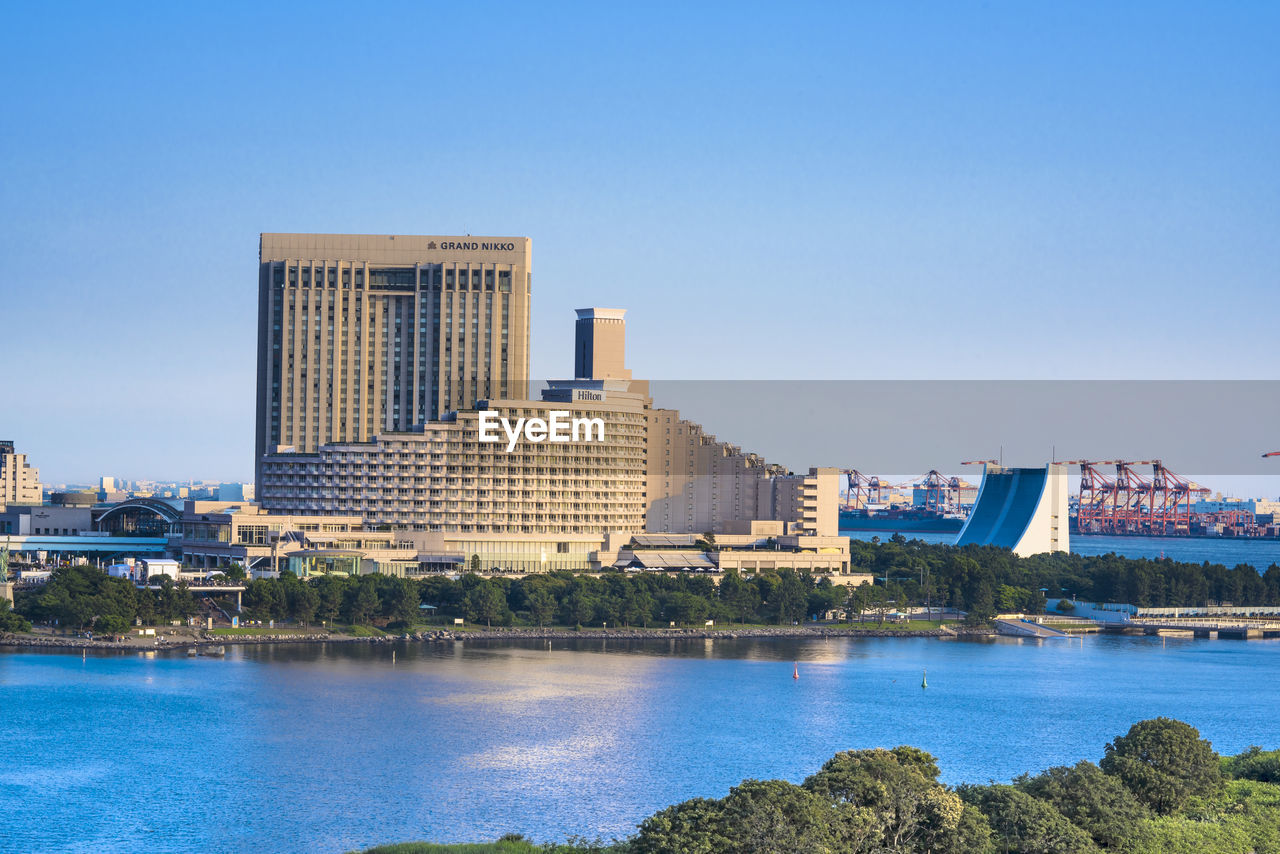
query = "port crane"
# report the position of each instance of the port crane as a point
(1097, 493)
(865, 490)
(1130, 503)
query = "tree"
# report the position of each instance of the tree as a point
(111, 625)
(637, 607)
(1091, 799)
(1021, 599)
(1165, 763)
(856, 601)
(760, 816)
(146, 608)
(304, 602)
(264, 599)
(360, 601)
(399, 600)
(778, 817)
(181, 602)
(11, 622)
(542, 605)
(900, 788)
(824, 597)
(739, 596)
(76, 595)
(686, 607)
(445, 594)
(579, 607)
(486, 602)
(1020, 823)
(789, 598)
(695, 826)
(331, 590)
(982, 606)
(1253, 764)
(878, 601)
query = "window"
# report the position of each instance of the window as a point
(395, 278)
(253, 535)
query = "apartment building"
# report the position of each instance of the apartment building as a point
(19, 481)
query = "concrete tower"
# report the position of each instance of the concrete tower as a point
(1023, 509)
(600, 341)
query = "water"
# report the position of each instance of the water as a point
(302, 749)
(1258, 553)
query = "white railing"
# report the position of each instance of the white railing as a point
(1205, 624)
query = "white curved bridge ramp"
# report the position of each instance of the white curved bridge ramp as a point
(1023, 509)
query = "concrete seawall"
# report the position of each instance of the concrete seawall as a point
(440, 636)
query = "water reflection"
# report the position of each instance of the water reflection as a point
(465, 741)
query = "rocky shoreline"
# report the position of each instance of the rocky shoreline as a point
(134, 643)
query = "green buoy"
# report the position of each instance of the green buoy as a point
(924, 681)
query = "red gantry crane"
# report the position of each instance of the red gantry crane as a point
(1132, 503)
(1171, 497)
(1132, 492)
(1097, 497)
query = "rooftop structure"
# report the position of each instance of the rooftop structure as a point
(600, 339)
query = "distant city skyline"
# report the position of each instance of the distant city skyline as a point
(1093, 188)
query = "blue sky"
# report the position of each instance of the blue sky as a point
(854, 190)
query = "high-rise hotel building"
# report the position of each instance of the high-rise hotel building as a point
(649, 469)
(360, 335)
